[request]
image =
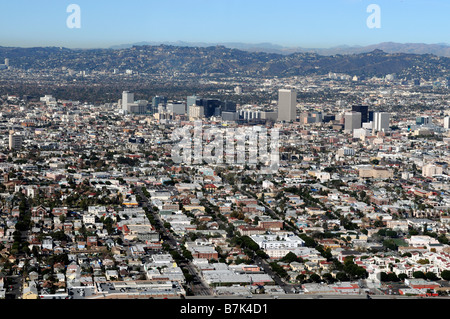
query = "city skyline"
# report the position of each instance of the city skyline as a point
(286, 23)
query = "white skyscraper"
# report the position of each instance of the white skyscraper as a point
(196, 112)
(381, 121)
(287, 102)
(127, 100)
(352, 121)
(447, 122)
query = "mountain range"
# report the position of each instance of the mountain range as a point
(439, 49)
(191, 61)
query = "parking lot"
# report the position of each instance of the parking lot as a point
(80, 293)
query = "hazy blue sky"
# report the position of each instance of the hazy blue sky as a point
(314, 23)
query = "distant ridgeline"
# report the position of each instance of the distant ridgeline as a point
(164, 59)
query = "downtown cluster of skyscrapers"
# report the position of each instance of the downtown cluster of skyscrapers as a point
(361, 118)
(357, 121)
(196, 107)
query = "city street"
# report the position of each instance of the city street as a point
(198, 286)
(14, 290)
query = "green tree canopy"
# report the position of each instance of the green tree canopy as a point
(419, 274)
(445, 274)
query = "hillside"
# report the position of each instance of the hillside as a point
(165, 59)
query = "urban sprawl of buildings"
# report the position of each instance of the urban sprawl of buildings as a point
(93, 205)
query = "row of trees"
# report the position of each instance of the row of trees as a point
(249, 246)
(393, 277)
(346, 271)
(20, 246)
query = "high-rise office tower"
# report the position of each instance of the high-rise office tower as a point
(381, 121)
(15, 141)
(352, 121)
(211, 107)
(156, 101)
(371, 116)
(176, 108)
(328, 118)
(287, 102)
(196, 112)
(423, 120)
(139, 107)
(364, 110)
(447, 122)
(228, 106)
(7, 62)
(127, 100)
(191, 100)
